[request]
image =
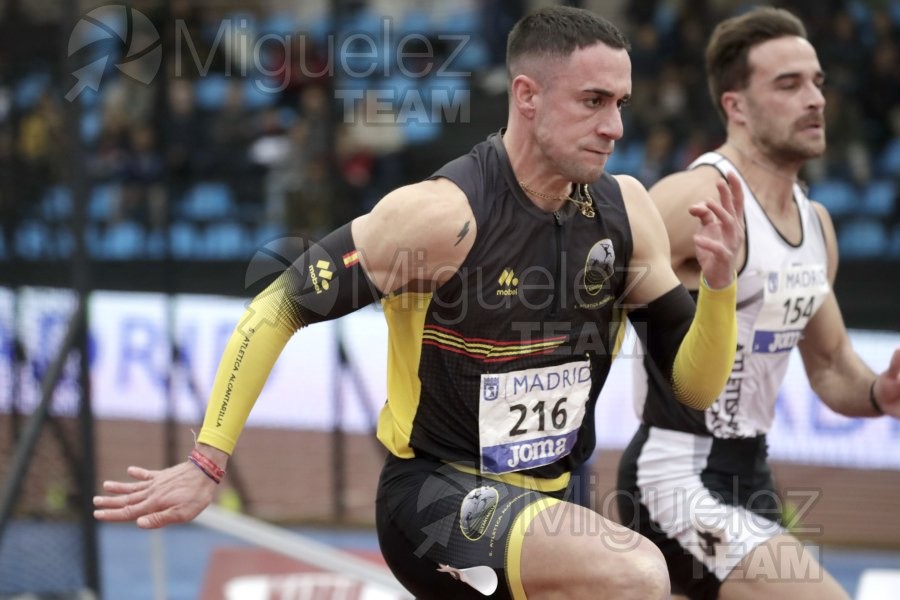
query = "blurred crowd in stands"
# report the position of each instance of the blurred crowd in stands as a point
(274, 121)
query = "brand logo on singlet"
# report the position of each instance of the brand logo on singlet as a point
(599, 266)
(508, 283)
(320, 274)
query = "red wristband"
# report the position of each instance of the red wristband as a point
(209, 468)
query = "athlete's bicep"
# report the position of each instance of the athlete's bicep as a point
(650, 272)
(673, 196)
(420, 232)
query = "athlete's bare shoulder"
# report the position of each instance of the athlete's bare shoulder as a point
(680, 190)
(421, 231)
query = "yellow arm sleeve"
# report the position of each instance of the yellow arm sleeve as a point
(251, 352)
(706, 355)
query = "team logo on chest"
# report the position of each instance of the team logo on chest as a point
(599, 266)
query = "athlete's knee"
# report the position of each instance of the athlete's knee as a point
(633, 570)
(587, 556)
(642, 575)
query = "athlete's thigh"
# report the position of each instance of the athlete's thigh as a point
(572, 552)
(434, 522)
(663, 496)
(781, 569)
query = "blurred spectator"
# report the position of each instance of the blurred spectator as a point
(38, 147)
(881, 87)
(187, 146)
(143, 192)
(279, 151)
(646, 59)
(659, 156)
(288, 164)
(306, 67)
(316, 112)
(107, 161)
(845, 156)
(369, 149)
(843, 57)
(231, 131)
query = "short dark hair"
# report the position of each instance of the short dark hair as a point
(727, 67)
(557, 31)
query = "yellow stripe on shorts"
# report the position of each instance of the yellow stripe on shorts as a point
(517, 540)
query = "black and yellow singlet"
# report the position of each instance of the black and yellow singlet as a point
(501, 366)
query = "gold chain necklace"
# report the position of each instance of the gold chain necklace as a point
(585, 206)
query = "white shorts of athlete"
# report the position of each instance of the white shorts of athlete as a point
(718, 535)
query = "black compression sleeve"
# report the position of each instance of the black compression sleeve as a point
(662, 325)
(327, 281)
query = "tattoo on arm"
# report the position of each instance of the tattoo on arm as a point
(462, 233)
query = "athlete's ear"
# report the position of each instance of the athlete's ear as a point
(734, 105)
(523, 90)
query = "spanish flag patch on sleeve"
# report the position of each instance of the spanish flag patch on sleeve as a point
(351, 258)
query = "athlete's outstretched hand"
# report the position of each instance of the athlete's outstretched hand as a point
(157, 498)
(887, 387)
(719, 239)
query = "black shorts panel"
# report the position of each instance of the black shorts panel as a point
(430, 514)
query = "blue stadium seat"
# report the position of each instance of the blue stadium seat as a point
(224, 241)
(879, 198)
(33, 240)
(91, 124)
(665, 19)
(208, 201)
(473, 56)
(420, 132)
(103, 201)
(281, 23)
(465, 20)
(889, 159)
(123, 241)
(320, 28)
(29, 88)
(359, 37)
(894, 243)
(472, 53)
(894, 12)
(413, 21)
(93, 240)
(56, 204)
(862, 238)
(265, 233)
(626, 158)
(183, 240)
(260, 92)
(210, 91)
(156, 244)
(63, 243)
(399, 85)
(838, 196)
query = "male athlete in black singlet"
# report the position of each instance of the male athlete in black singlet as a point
(503, 278)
